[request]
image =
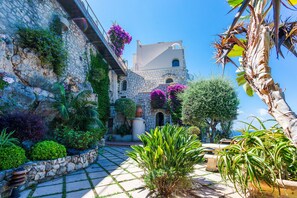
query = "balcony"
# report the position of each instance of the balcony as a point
(95, 32)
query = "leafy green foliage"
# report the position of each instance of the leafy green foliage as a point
(123, 130)
(194, 130)
(56, 26)
(12, 157)
(241, 81)
(47, 44)
(48, 150)
(76, 139)
(99, 79)
(126, 107)
(209, 101)
(262, 155)
(6, 139)
(76, 111)
(168, 156)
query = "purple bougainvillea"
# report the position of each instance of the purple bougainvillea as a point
(158, 99)
(174, 102)
(119, 37)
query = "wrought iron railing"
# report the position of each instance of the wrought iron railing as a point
(101, 29)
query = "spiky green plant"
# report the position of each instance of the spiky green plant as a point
(168, 156)
(76, 111)
(6, 139)
(263, 155)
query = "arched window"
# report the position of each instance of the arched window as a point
(176, 46)
(160, 119)
(175, 63)
(124, 85)
(169, 80)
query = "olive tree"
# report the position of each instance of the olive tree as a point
(209, 102)
(253, 40)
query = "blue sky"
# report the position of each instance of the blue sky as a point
(197, 23)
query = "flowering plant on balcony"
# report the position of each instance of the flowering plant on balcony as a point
(174, 102)
(119, 37)
(158, 99)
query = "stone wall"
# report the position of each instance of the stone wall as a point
(31, 79)
(141, 83)
(40, 171)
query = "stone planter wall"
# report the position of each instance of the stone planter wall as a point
(39, 171)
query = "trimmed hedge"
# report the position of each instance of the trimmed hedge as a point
(12, 157)
(48, 150)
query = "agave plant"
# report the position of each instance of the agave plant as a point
(167, 156)
(6, 139)
(263, 155)
(253, 39)
(76, 111)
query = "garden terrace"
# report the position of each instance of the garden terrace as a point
(95, 32)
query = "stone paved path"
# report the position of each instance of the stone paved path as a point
(114, 175)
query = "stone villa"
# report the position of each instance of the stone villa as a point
(155, 66)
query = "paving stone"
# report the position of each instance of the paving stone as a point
(203, 181)
(233, 195)
(139, 193)
(111, 168)
(73, 186)
(52, 182)
(201, 172)
(83, 194)
(25, 193)
(108, 190)
(74, 178)
(103, 181)
(223, 188)
(118, 172)
(94, 169)
(138, 174)
(200, 166)
(54, 196)
(124, 177)
(134, 170)
(214, 177)
(205, 192)
(133, 184)
(46, 190)
(77, 172)
(98, 174)
(120, 195)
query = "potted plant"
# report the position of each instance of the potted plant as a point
(262, 162)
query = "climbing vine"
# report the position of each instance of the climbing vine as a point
(98, 76)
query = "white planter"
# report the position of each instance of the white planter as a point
(138, 128)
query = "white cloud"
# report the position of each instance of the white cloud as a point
(240, 112)
(263, 112)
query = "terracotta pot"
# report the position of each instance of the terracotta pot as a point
(287, 189)
(139, 112)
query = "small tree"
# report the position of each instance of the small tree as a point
(211, 102)
(253, 40)
(127, 108)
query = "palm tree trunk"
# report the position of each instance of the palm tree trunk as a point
(257, 73)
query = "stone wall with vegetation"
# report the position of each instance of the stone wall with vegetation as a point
(32, 78)
(39, 171)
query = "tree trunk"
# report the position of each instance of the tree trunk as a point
(257, 74)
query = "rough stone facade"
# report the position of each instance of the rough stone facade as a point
(40, 171)
(32, 80)
(141, 80)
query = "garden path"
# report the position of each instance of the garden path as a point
(115, 175)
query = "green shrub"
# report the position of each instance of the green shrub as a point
(48, 150)
(168, 156)
(263, 155)
(6, 139)
(12, 157)
(46, 44)
(78, 139)
(126, 107)
(194, 130)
